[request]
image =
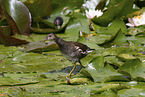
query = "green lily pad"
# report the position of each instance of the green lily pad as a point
(134, 67)
(129, 92)
(78, 24)
(40, 46)
(89, 43)
(17, 79)
(126, 56)
(109, 34)
(118, 39)
(117, 9)
(99, 73)
(108, 93)
(113, 60)
(115, 87)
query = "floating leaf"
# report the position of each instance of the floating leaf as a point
(88, 43)
(40, 46)
(109, 33)
(113, 60)
(99, 73)
(126, 56)
(108, 93)
(118, 39)
(130, 92)
(133, 67)
(117, 9)
(115, 87)
(77, 24)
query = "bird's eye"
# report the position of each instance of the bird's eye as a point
(49, 36)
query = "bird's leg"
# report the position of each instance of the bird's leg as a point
(81, 65)
(72, 69)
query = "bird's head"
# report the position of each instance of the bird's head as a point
(50, 36)
(58, 21)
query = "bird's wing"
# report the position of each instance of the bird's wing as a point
(80, 46)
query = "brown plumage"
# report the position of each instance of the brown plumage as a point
(73, 51)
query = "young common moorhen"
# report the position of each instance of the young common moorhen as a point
(58, 21)
(73, 51)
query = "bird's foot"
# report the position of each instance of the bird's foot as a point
(67, 78)
(68, 81)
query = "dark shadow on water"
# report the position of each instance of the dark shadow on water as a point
(68, 70)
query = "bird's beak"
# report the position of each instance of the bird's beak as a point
(45, 39)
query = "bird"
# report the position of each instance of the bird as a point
(73, 51)
(58, 21)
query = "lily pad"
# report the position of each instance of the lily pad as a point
(118, 39)
(99, 73)
(133, 67)
(115, 87)
(117, 9)
(116, 29)
(129, 92)
(40, 46)
(79, 23)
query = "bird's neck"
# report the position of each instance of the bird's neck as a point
(59, 41)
